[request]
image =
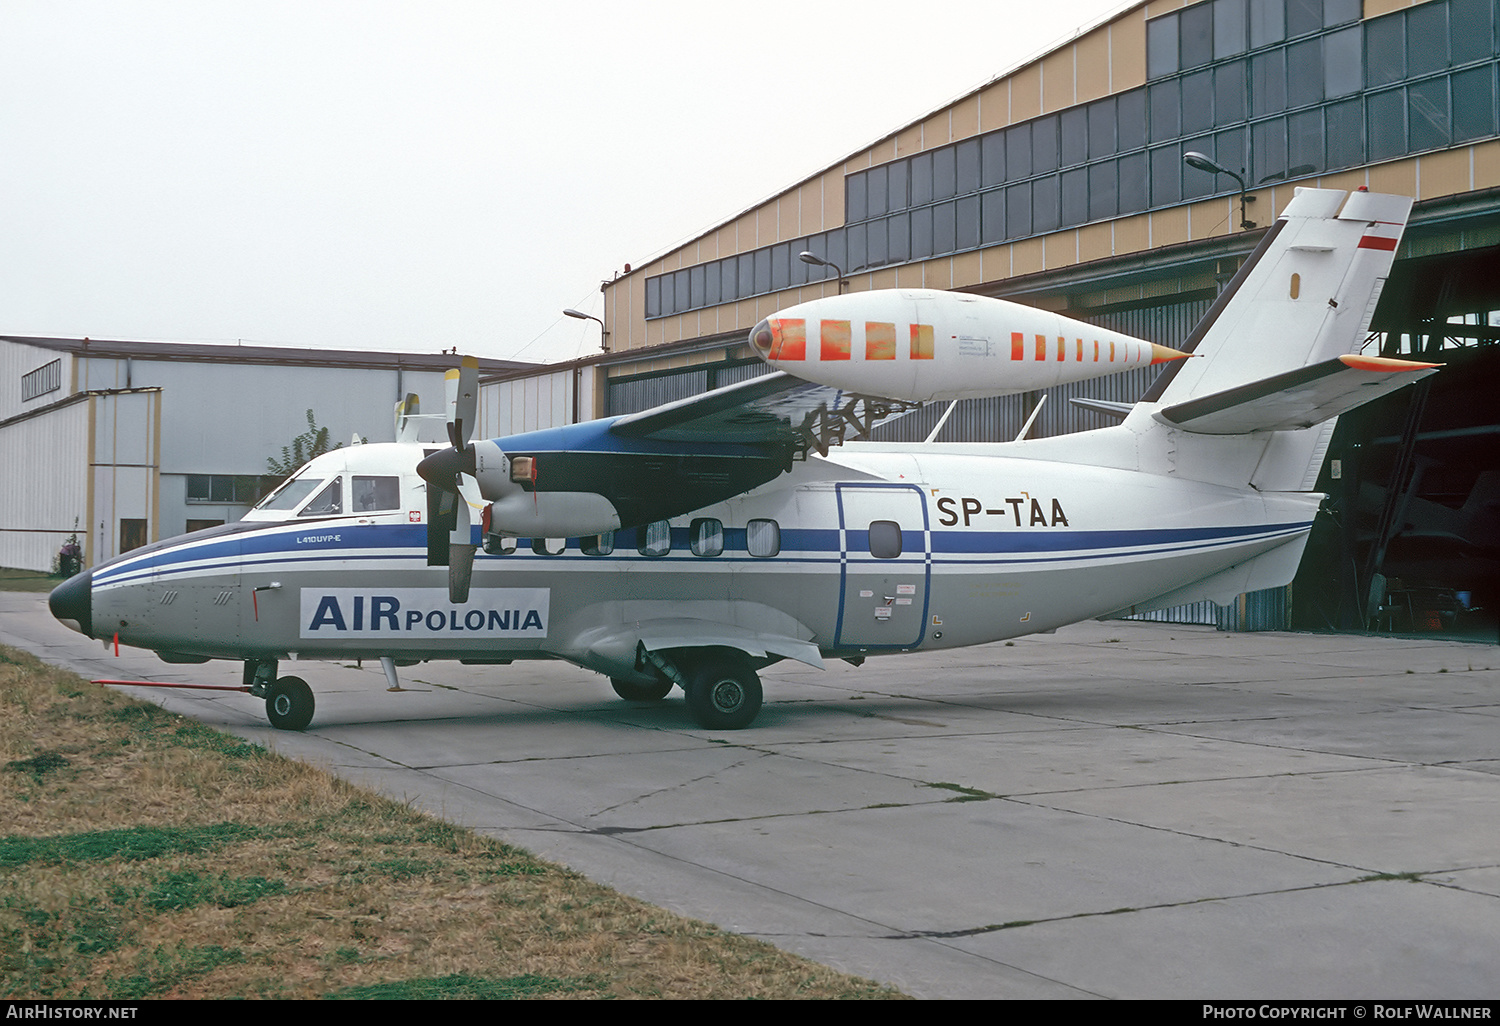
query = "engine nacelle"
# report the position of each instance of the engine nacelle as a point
(923, 344)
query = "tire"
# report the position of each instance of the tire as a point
(289, 704)
(723, 695)
(631, 692)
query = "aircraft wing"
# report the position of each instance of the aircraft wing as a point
(1296, 399)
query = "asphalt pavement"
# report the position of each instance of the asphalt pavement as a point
(1129, 810)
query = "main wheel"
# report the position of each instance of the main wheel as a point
(723, 695)
(289, 704)
(631, 692)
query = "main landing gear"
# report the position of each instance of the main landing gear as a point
(723, 692)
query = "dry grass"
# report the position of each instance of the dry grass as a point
(145, 855)
(27, 580)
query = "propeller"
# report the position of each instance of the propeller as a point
(443, 471)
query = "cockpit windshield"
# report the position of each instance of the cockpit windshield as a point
(290, 495)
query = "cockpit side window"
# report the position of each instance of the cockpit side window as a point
(328, 502)
(374, 494)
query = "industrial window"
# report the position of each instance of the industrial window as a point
(763, 538)
(885, 539)
(46, 378)
(706, 537)
(655, 539)
(240, 490)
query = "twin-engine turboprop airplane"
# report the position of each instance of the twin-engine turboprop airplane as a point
(696, 543)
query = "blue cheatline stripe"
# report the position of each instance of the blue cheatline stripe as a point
(369, 543)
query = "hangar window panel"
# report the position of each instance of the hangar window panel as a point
(944, 235)
(373, 494)
(801, 272)
(653, 297)
(706, 537)
(1344, 131)
(1161, 46)
(876, 251)
(1133, 189)
(1304, 72)
(667, 292)
(1474, 104)
(1343, 63)
(1075, 136)
(1337, 12)
(1044, 204)
(1044, 145)
(1426, 39)
(991, 159)
(695, 286)
(896, 176)
(966, 217)
(1231, 151)
(1102, 118)
(855, 205)
(46, 378)
(1385, 50)
(921, 179)
(1132, 120)
(713, 280)
(992, 217)
(898, 238)
(762, 271)
(1428, 114)
(1268, 82)
(1197, 102)
(1386, 123)
(921, 233)
(1267, 23)
(837, 250)
(763, 538)
(781, 266)
(858, 251)
(1229, 28)
(1075, 196)
(1166, 175)
(944, 173)
(966, 166)
(745, 282)
(1166, 111)
(1018, 210)
(1018, 153)
(1103, 193)
(885, 539)
(221, 489)
(681, 297)
(1229, 93)
(1304, 143)
(655, 539)
(1196, 44)
(1268, 151)
(1197, 184)
(876, 196)
(1471, 32)
(1303, 16)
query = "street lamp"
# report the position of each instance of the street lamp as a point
(1192, 158)
(603, 334)
(817, 261)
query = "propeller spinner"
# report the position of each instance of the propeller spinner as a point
(443, 471)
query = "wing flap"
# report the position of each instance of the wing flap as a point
(1295, 399)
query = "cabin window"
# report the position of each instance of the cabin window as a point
(706, 537)
(655, 539)
(885, 539)
(373, 494)
(598, 544)
(548, 546)
(499, 544)
(328, 502)
(763, 538)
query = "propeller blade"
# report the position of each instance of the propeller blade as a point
(461, 387)
(460, 555)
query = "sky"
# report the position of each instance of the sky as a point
(394, 174)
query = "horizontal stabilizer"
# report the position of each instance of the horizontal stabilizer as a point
(1295, 399)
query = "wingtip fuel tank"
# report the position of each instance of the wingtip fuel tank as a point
(924, 344)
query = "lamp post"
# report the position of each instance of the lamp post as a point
(603, 334)
(817, 261)
(1192, 158)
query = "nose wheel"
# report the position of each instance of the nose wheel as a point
(289, 704)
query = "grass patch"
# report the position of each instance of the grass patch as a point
(27, 580)
(147, 856)
(965, 794)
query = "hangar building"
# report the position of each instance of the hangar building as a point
(122, 443)
(1063, 184)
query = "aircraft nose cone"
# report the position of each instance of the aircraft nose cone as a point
(72, 602)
